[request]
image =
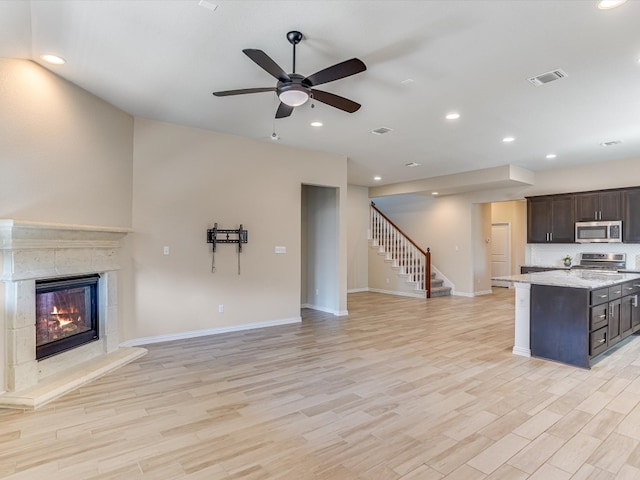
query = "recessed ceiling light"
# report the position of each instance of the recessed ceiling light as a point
(508, 139)
(452, 116)
(550, 156)
(377, 178)
(412, 164)
(611, 143)
(609, 4)
(316, 124)
(53, 59)
(434, 193)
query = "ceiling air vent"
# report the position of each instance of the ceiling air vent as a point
(611, 143)
(381, 130)
(547, 77)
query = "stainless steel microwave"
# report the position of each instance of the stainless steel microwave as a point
(599, 232)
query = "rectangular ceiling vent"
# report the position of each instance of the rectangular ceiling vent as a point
(381, 130)
(547, 77)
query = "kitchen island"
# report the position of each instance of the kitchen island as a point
(572, 316)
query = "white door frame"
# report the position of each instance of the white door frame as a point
(498, 283)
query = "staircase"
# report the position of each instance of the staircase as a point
(406, 258)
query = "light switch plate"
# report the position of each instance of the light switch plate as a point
(281, 249)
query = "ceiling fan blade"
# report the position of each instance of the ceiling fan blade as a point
(264, 61)
(336, 72)
(284, 110)
(336, 101)
(242, 91)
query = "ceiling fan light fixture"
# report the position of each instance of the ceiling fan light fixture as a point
(294, 96)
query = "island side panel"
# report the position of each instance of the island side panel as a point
(522, 342)
(559, 324)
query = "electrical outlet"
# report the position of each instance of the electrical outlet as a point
(165, 250)
(221, 308)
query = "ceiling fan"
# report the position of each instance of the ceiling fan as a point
(293, 89)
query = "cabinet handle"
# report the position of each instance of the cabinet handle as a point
(603, 296)
(595, 214)
(602, 340)
(634, 300)
(604, 315)
(551, 237)
(628, 288)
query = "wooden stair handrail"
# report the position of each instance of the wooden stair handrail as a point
(427, 254)
(373, 205)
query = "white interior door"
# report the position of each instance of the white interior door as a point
(500, 253)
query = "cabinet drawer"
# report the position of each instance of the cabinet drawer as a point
(597, 342)
(599, 296)
(599, 316)
(615, 292)
(630, 288)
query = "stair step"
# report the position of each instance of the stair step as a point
(440, 291)
(436, 282)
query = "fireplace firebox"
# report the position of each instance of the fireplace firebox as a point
(66, 314)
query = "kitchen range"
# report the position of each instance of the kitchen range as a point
(574, 315)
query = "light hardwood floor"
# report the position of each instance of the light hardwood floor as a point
(402, 388)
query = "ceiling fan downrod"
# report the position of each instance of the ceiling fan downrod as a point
(294, 38)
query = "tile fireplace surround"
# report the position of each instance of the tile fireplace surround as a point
(30, 251)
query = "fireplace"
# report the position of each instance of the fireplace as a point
(38, 262)
(66, 314)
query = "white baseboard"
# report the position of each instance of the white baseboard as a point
(337, 313)
(357, 290)
(208, 331)
(523, 352)
(482, 292)
(400, 294)
(461, 294)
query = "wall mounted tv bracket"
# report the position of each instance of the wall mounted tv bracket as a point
(238, 236)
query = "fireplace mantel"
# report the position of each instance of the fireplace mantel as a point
(34, 250)
(30, 251)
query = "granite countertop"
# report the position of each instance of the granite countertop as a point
(580, 278)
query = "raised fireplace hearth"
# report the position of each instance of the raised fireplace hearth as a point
(58, 309)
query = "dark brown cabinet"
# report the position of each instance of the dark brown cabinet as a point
(550, 219)
(574, 325)
(596, 206)
(614, 322)
(631, 215)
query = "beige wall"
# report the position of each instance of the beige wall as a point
(481, 238)
(515, 214)
(65, 155)
(442, 224)
(186, 179)
(357, 238)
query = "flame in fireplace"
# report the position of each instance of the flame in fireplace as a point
(65, 317)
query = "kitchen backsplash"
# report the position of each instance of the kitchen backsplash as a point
(552, 254)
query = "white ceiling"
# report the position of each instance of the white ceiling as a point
(163, 59)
